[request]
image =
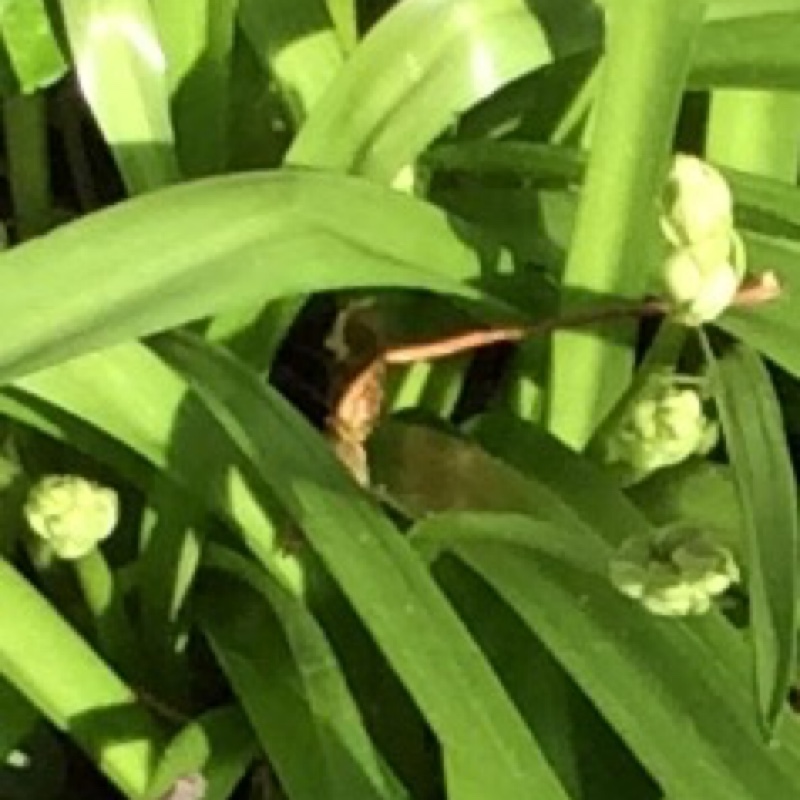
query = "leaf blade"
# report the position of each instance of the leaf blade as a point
(753, 431)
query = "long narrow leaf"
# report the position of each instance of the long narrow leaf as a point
(218, 745)
(197, 39)
(190, 251)
(122, 71)
(31, 46)
(296, 45)
(754, 437)
(289, 683)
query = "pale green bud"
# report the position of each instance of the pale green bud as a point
(71, 513)
(662, 425)
(705, 268)
(700, 291)
(677, 571)
(697, 203)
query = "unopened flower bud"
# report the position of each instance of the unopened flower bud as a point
(700, 292)
(703, 271)
(697, 203)
(676, 572)
(662, 425)
(71, 513)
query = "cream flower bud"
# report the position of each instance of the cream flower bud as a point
(71, 513)
(705, 268)
(699, 290)
(676, 572)
(697, 203)
(662, 425)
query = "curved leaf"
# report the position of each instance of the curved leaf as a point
(297, 46)
(190, 251)
(453, 55)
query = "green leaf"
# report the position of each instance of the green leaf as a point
(756, 444)
(219, 745)
(141, 266)
(588, 492)
(673, 690)
(376, 569)
(758, 50)
(297, 47)
(18, 715)
(591, 761)
(30, 44)
(76, 690)
(289, 683)
(772, 328)
(197, 39)
(699, 491)
(122, 73)
(453, 55)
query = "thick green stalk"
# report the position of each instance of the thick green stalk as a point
(649, 44)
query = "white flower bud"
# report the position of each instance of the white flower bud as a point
(705, 268)
(700, 292)
(71, 513)
(697, 203)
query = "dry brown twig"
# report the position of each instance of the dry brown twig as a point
(357, 407)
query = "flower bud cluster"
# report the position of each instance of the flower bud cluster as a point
(71, 514)
(676, 572)
(663, 424)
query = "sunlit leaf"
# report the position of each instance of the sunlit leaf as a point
(297, 46)
(122, 71)
(197, 39)
(30, 44)
(141, 266)
(218, 745)
(452, 56)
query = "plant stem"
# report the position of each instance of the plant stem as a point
(25, 124)
(102, 597)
